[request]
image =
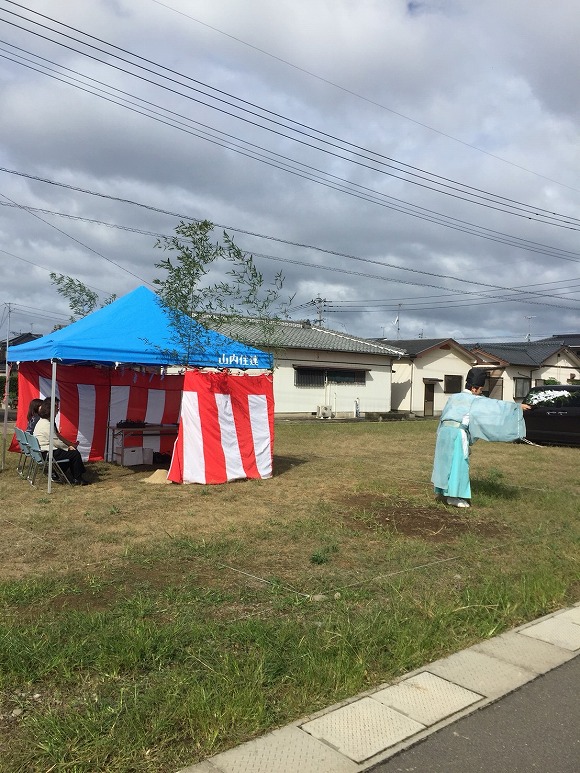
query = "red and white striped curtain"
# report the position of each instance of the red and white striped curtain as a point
(92, 399)
(227, 428)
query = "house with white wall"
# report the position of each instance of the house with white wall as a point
(516, 367)
(430, 371)
(318, 371)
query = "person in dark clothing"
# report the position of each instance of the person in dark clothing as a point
(62, 448)
(32, 416)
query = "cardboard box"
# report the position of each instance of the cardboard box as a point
(130, 457)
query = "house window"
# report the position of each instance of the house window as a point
(521, 387)
(309, 377)
(318, 377)
(452, 384)
(357, 377)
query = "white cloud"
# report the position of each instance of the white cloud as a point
(479, 93)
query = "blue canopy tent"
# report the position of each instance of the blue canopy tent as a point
(138, 330)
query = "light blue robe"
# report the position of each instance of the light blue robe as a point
(465, 419)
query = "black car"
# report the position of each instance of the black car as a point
(555, 417)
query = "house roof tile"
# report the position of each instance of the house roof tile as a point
(530, 353)
(416, 346)
(567, 339)
(288, 334)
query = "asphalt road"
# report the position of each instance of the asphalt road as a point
(535, 729)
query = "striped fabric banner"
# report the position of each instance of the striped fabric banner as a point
(227, 429)
(91, 399)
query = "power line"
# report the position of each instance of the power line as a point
(277, 160)
(74, 239)
(333, 181)
(227, 227)
(483, 294)
(363, 98)
(44, 268)
(523, 293)
(508, 206)
(400, 281)
(520, 291)
(390, 265)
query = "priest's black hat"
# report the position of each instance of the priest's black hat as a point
(475, 378)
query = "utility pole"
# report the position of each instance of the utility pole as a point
(319, 303)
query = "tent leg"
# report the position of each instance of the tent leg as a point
(51, 433)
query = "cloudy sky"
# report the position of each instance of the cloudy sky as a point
(417, 161)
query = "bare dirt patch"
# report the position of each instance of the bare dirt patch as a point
(433, 524)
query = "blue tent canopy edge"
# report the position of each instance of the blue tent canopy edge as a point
(137, 329)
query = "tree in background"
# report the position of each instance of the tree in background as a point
(226, 305)
(193, 301)
(81, 299)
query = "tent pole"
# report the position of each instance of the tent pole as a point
(51, 430)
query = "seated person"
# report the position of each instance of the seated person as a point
(63, 448)
(32, 416)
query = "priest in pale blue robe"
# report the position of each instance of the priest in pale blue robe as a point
(469, 416)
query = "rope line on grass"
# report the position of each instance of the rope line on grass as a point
(439, 561)
(27, 531)
(381, 576)
(267, 582)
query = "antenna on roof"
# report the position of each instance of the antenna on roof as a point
(396, 321)
(528, 337)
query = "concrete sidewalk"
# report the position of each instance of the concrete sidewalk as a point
(360, 733)
(534, 728)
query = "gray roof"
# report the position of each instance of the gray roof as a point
(415, 346)
(287, 334)
(528, 353)
(21, 338)
(567, 339)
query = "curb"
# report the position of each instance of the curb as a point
(358, 733)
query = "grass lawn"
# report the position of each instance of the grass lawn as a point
(144, 627)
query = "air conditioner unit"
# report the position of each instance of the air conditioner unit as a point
(324, 412)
